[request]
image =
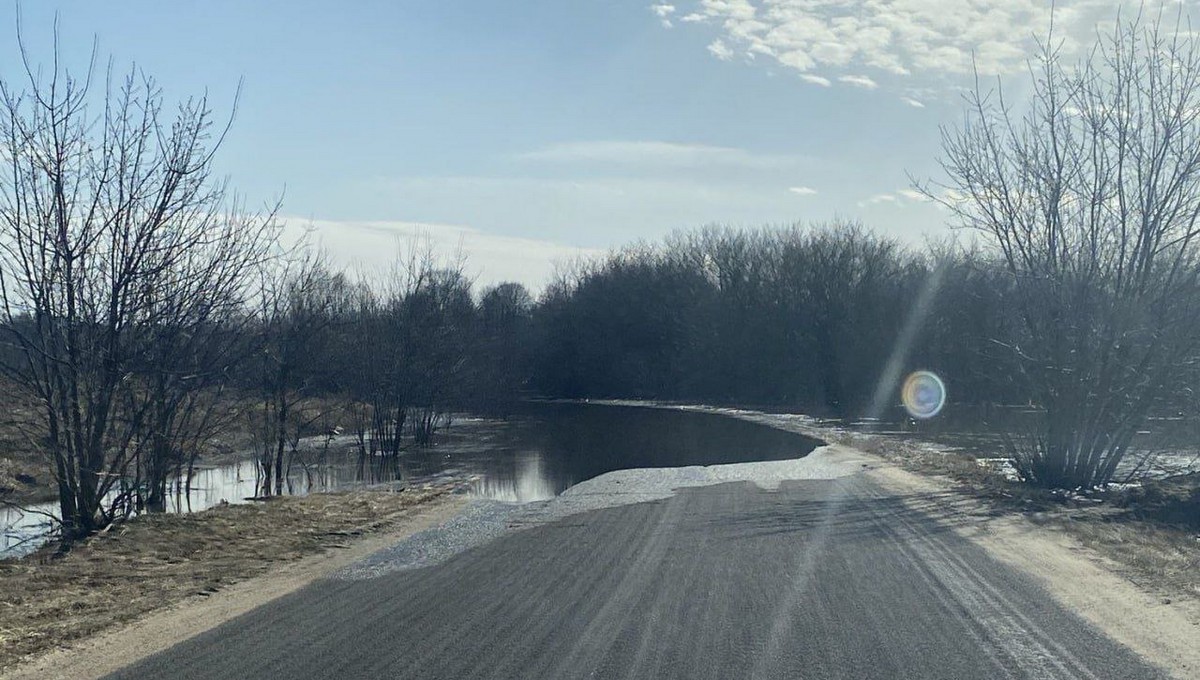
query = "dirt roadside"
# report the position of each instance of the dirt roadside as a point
(1161, 629)
(156, 582)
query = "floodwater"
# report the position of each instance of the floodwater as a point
(535, 455)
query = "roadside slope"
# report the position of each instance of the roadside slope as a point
(1078, 578)
(372, 522)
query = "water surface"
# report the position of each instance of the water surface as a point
(537, 454)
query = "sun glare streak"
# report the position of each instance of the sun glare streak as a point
(889, 380)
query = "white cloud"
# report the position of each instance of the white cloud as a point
(900, 38)
(664, 12)
(574, 205)
(897, 198)
(815, 80)
(912, 102)
(657, 154)
(879, 198)
(374, 246)
(803, 191)
(720, 50)
(864, 82)
(693, 18)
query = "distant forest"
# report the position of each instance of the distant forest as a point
(809, 317)
(806, 317)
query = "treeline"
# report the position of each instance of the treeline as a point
(807, 317)
(828, 319)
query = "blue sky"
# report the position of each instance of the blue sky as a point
(530, 131)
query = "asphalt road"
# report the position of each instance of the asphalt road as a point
(818, 579)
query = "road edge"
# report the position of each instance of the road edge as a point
(1077, 577)
(99, 655)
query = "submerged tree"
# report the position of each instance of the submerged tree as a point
(302, 298)
(116, 244)
(1091, 197)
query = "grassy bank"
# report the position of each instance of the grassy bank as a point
(48, 600)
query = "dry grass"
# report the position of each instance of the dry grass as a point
(1160, 558)
(154, 561)
(24, 471)
(1154, 530)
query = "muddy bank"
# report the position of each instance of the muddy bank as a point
(48, 602)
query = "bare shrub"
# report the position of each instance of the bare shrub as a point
(1090, 196)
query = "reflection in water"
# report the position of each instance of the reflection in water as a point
(553, 446)
(528, 482)
(22, 530)
(536, 455)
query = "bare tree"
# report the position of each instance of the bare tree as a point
(299, 299)
(192, 335)
(113, 233)
(1090, 195)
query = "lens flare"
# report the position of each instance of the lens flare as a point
(923, 394)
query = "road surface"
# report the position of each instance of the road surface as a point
(816, 579)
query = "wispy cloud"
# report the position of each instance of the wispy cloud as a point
(573, 204)
(912, 102)
(815, 80)
(491, 258)
(656, 154)
(876, 39)
(897, 198)
(864, 82)
(803, 191)
(912, 195)
(877, 199)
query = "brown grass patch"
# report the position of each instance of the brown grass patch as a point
(47, 600)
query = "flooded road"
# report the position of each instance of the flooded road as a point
(537, 454)
(547, 447)
(550, 447)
